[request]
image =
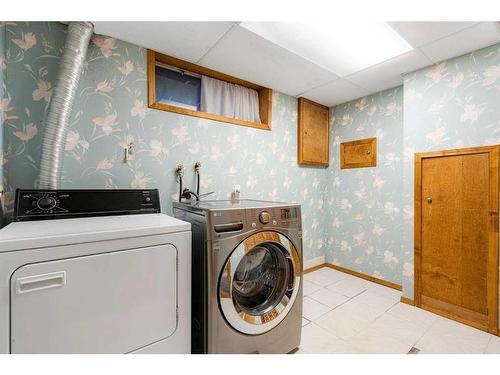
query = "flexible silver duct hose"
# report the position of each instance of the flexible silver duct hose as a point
(56, 125)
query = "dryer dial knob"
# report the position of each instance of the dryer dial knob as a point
(264, 217)
(46, 203)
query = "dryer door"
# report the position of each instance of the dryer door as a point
(106, 303)
(260, 282)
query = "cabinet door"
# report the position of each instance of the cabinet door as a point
(313, 133)
(106, 303)
(358, 154)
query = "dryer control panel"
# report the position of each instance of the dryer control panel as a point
(59, 204)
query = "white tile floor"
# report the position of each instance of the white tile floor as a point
(344, 314)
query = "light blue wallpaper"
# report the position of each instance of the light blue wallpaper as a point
(365, 232)
(3, 104)
(361, 219)
(32, 56)
(454, 104)
(111, 110)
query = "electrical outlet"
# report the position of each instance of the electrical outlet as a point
(235, 194)
(129, 152)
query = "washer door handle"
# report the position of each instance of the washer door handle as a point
(40, 282)
(291, 280)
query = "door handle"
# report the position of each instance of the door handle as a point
(291, 269)
(40, 282)
(429, 200)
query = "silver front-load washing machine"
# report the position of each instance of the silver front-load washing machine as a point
(247, 275)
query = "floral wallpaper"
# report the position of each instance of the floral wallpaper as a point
(111, 111)
(3, 68)
(361, 219)
(366, 204)
(453, 104)
(31, 62)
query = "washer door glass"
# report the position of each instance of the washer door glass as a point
(260, 282)
(261, 279)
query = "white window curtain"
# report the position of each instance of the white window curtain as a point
(230, 100)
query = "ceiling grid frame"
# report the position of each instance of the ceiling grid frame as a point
(230, 48)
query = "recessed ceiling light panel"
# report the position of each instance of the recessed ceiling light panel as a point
(340, 47)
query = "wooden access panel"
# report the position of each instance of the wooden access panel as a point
(456, 235)
(358, 154)
(313, 133)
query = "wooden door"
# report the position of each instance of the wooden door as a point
(456, 234)
(313, 133)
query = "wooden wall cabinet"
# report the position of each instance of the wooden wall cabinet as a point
(358, 154)
(313, 134)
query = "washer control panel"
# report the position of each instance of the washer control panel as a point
(276, 216)
(264, 217)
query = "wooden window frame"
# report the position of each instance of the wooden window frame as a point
(265, 94)
(492, 278)
(372, 163)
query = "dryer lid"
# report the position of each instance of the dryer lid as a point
(38, 234)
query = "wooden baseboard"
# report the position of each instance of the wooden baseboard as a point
(313, 262)
(315, 268)
(408, 301)
(355, 273)
(366, 277)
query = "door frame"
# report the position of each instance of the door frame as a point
(493, 248)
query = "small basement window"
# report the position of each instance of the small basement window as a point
(179, 86)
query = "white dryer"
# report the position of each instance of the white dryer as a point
(88, 282)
